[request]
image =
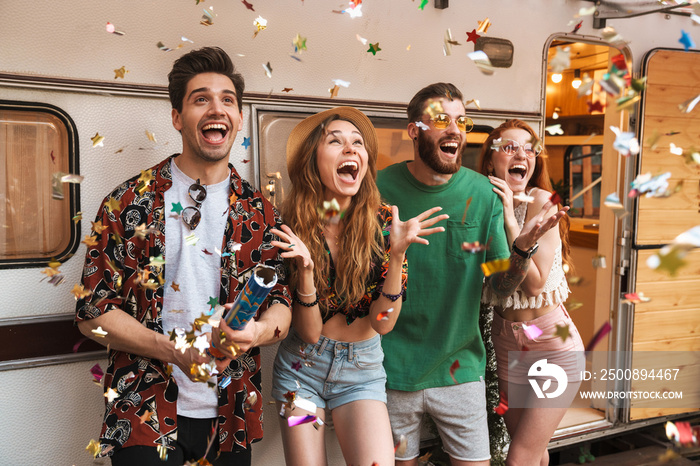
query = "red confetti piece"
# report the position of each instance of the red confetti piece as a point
(555, 198)
(502, 405)
(453, 368)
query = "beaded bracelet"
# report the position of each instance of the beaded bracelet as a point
(393, 297)
(296, 298)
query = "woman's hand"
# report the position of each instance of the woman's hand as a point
(538, 226)
(294, 247)
(504, 192)
(411, 231)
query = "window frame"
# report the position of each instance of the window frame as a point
(72, 189)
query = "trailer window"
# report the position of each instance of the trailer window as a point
(38, 148)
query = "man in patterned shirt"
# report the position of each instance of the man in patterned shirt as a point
(218, 230)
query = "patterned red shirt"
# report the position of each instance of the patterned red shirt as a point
(117, 272)
(375, 281)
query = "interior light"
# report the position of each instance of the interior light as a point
(556, 77)
(577, 79)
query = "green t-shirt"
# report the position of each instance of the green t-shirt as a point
(439, 321)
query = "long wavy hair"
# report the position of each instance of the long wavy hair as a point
(539, 179)
(360, 241)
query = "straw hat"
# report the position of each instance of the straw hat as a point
(356, 117)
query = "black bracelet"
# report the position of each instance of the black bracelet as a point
(296, 298)
(393, 297)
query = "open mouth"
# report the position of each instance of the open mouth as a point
(449, 147)
(348, 170)
(518, 170)
(214, 132)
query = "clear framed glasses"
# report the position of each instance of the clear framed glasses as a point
(192, 215)
(511, 147)
(443, 120)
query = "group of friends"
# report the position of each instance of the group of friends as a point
(378, 313)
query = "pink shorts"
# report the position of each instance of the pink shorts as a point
(509, 336)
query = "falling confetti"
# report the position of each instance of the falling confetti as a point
(499, 265)
(299, 43)
(689, 105)
(374, 48)
(207, 18)
(502, 405)
(481, 60)
(268, 69)
(561, 59)
(625, 142)
(120, 72)
(260, 23)
(686, 41)
(636, 298)
(553, 130)
(113, 30)
(531, 331)
(472, 36)
(598, 261)
(97, 140)
(483, 26)
(453, 369)
(562, 331)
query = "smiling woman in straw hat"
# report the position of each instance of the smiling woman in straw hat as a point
(347, 254)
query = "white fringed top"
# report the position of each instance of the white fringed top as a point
(556, 288)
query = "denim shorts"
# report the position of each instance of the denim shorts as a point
(330, 373)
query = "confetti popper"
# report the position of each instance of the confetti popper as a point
(249, 300)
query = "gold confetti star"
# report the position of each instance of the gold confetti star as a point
(299, 43)
(93, 447)
(80, 292)
(562, 332)
(151, 136)
(334, 91)
(90, 241)
(120, 72)
(483, 26)
(175, 286)
(97, 227)
(112, 204)
(97, 140)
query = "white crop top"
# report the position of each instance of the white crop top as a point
(556, 288)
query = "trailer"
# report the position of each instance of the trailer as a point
(83, 91)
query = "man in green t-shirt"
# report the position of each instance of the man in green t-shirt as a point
(434, 357)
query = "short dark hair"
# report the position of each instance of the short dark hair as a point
(204, 60)
(416, 107)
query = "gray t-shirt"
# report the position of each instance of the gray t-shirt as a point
(193, 269)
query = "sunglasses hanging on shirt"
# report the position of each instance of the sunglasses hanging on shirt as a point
(192, 215)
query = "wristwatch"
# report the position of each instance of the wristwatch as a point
(525, 254)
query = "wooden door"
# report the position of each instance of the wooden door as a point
(671, 320)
